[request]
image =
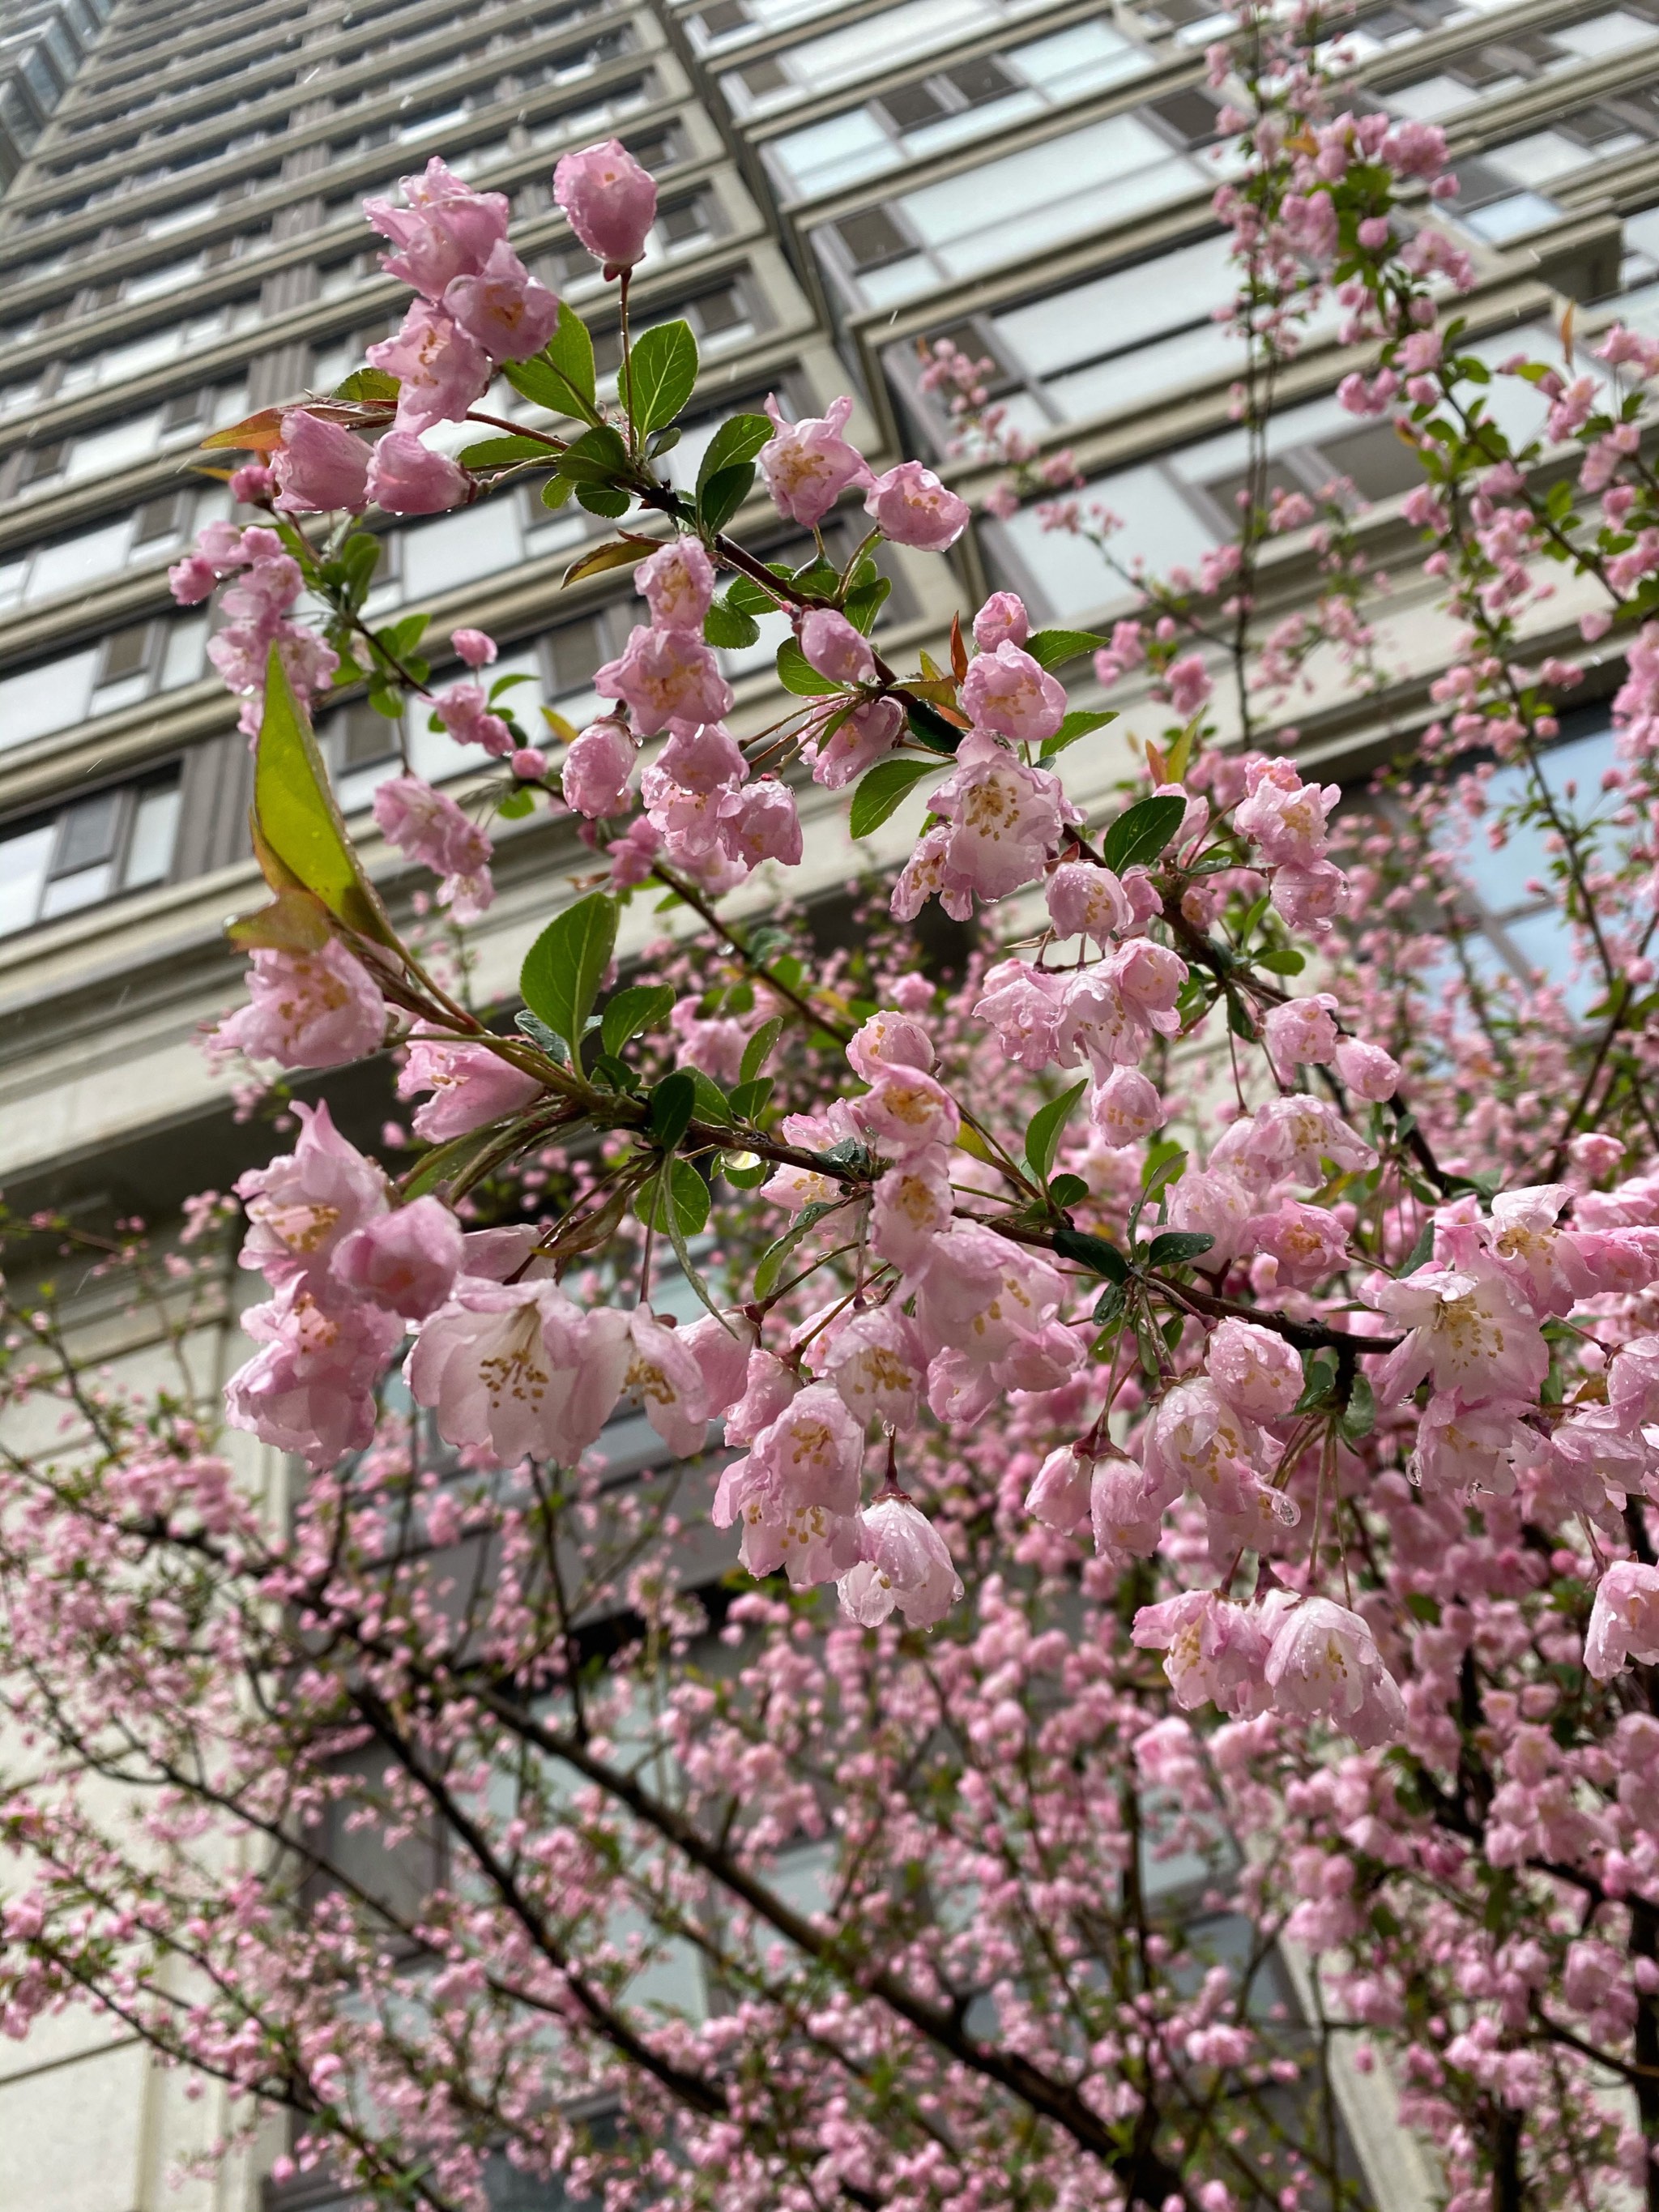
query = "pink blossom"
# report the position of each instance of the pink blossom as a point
(877, 1366)
(442, 371)
(797, 1491)
(1305, 1243)
(1324, 1665)
(1059, 1496)
(446, 229)
(809, 464)
(1212, 1202)
(677, 584)
(1309, 898)
(1005, 818)
(1282, 817)
(502, 307)
(910, 1206)
(1188, 683)
(890, 1040)
(609, 201)
(428, 826)
(474, 646)
(1256, 1370)
(597, 768)
(1293, 1136)
(835, 648)
(1366, 1070)
(406, 478)
(1148, 979)
(1126, 1107)
(1005, 690)
(306, 1009)
(1301, 1033)
(1087, 901)
(905, 1112)
(665, 677)
(904, 1563)
(1466, 1329)
(311, 1388)
(464, 710)
(406, 1260)
(516, 1369)
(722, 1344)
(759, 823)
(1624, 1623)
(665, 1375)
(1462, 1448)
(319, 465)
(857, 742)
(1002, 619)
(471, 1086)
(301, 1204)
(911, 507)
(1214, 1652)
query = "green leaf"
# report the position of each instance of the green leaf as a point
(659, 376)
(722, 495)
(597, 456)
(733, 445)
(1043, 1131)
(725, 624)
(615, 553)
(672, 1104)
(564, 968)
(797, 674)
(557, 490)
(929, 728)
(758, 1050)
(358, 559)
(677, 1200)
(1359, 1414)
(770, 1265)
(1319, 1380)
(1141, 832)
(1165, 1164)
(449, 1164)
(1421, 1252)
(602, 499)
(1051, 648)
(883, 789)
(301, 839)
(1094, 1253)
(1280, 960)
(560, 377)
(862, 606)
(749, 1099)
(1172, 1246)
(1067, 1189)
(1080, 723)
(370, 386)
(534, 1027)
(712, 1102)
(1109, 1304)
(746, 597)
(501, 452)
(641, 1006)
(516, 804)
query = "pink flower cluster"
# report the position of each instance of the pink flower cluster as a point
(267, 582)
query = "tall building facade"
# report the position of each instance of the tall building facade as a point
(844, 183)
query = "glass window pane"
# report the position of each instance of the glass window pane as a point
(838, 152)
(1067, 168)
(1118, 310)
(75, 561)
(475, 542)
(154, 827)
(1603, 35)
(1077, 61)
(68, 894)
(1073, 578)
(86, 832)
(23, 862)
(38, 700)
(135, 440)
(1129, 378)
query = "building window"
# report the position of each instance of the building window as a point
(116, 841)
(1021, 203)
(1109, 344)
(1486, 71)
(925, 114)
(869, 47)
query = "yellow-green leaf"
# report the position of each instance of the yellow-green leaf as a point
(297, 819)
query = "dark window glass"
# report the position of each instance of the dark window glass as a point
(1190, 114)
(158, 518)
(721, 310)
(912, 105)
(872, 238)
(365, 737)
(1378, 462)
(979, 81)
(126, 653)
(725, 15)
(688, 220)
(574, 650)
(87, 833)
(763, 76)
(40, 462)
